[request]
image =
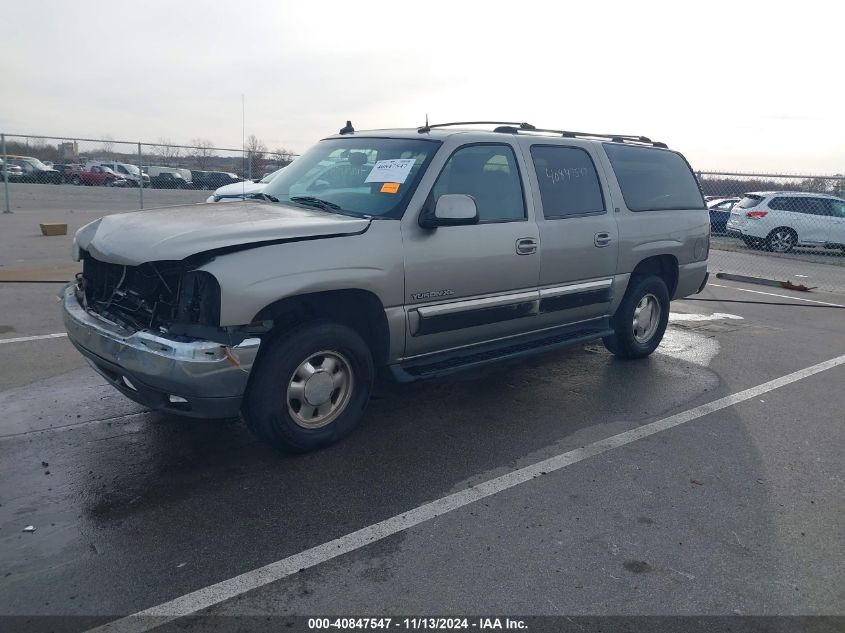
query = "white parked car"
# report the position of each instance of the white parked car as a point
(781, 220)
(242, 190)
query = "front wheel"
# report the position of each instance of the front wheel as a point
(310, 387)
(641, 319)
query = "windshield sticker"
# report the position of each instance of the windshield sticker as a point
(390, 187)
(393, 170)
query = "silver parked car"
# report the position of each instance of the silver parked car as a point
(408, 253)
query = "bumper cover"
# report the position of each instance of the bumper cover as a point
(196, 378)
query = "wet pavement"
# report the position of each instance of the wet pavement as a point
(737, 512)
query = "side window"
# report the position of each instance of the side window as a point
(569, 184)
(654, 179)
(782, 204)
(821, 206)
(837, 208)
(489, 174)
(800, 204)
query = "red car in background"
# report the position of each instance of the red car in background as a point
(96, 175)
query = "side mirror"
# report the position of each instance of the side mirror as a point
(451, 209)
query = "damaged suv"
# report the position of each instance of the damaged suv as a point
(403, 253)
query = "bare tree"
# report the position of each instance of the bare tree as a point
(282, 156)
(107, 146)
(203, 152)
(168, 152)
(818, 185)
(256, 152)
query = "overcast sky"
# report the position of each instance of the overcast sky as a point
(733, 85)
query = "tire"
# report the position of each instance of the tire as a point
(630, 340)
(295, 425)
(781, 240)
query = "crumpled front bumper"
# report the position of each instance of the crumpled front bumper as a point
(196, 378)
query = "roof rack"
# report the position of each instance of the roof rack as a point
(614, 138)
(510, 127)
(427, 128)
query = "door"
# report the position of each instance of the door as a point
(578, 234)
(467, 284)
(805, 215)
(837, 222)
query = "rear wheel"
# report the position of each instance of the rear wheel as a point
(641, 319)
(76, 180)
(781, 240)
(310, 387)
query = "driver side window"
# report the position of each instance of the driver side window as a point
(490, 175)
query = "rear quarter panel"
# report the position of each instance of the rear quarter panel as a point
(684, 234)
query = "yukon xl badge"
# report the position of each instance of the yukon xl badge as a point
(431, 294)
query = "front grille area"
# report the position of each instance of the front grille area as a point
(142, 297)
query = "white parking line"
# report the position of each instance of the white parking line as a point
(772, 294)
(233, 587)
(23, 339)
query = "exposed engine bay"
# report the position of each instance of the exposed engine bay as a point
(152, 296)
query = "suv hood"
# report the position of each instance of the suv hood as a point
(174, 233)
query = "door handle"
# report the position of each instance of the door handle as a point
(526, 246)
(602, 239)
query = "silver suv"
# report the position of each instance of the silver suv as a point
(407, 253)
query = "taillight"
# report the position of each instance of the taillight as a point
(756, 215)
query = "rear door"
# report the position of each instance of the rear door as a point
(467, 284)
(807, 216)
(578, 235)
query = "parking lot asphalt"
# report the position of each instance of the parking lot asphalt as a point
(737, 511)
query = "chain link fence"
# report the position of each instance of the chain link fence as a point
(129, 165)
(782, 229)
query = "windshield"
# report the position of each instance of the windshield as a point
(749, 201)
(360, 176)
(36, 163)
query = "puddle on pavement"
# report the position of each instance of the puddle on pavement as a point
(688, 344)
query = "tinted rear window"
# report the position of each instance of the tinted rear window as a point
(654, 179)
(569, 184)
(749, 201)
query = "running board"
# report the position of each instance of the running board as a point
(445, 363)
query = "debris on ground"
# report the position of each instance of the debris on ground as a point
(788, 285)
(696, 482)
(29, 528)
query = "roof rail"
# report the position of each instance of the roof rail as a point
(614, 138)
(522, 126)
(511, 127)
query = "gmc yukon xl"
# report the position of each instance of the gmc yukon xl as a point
(405, 253)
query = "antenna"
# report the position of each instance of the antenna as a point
(243, 144)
